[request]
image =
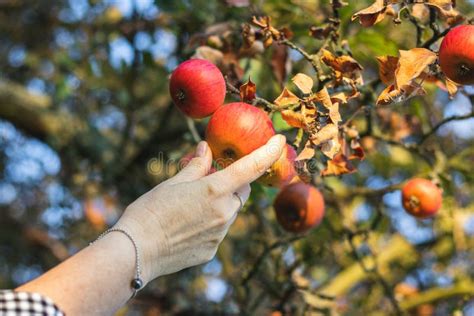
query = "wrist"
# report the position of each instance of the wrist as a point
(152, 246)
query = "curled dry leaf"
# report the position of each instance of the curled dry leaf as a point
(342, 161)
(303, 82)
(248, 91)
(401, 79)
(286, 98)
(344, 64)
(337, 166)
(411, 64)
(375, 13)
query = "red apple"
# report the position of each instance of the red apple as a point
(282, 172)
(197, 87)
(456, 54)
(237, 129)
(299, 207)
(421, 198)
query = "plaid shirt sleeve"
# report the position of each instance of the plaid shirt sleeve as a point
(26, 304)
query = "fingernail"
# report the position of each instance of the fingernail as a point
(201, 149)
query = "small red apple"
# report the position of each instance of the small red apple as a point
(197, 87)
(421, 198)
(235, 130)
(282, 172)
(456, 54)
(299, 207)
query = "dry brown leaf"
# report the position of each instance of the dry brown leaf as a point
(339, 165)
(286, 98)
(331, 148)
(339, 97)
(324, 98)
(373, 14)
(248, 91)
(307, 152)
(303, 82)
(344, 64)
(357, 150)
(392, 95)
(411, 65)
(294, 119)
(387, 67)
(328, 132)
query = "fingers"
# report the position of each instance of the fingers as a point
(198, 167)
(248, 168)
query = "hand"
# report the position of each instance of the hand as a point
(181, 222)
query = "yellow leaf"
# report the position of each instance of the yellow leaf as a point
(303, 82)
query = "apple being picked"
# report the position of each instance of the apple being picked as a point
(235, 130)
(299, 207)
(421, 198)
(456, 55)
(282, 172)
(197, 88)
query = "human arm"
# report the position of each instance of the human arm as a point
(177, 224)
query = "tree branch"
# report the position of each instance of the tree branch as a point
(465, 287)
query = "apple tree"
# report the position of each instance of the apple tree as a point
(370, 209)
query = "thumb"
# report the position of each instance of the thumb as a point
(250, 167)
(198, 167)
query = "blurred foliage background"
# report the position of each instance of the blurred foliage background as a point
(87, 125)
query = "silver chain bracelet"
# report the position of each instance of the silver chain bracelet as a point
(137, 282)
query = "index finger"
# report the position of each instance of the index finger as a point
(249, 168)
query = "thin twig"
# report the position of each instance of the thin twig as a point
(443, 122)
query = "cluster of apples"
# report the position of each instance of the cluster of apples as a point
(421, 197)
(234, 130)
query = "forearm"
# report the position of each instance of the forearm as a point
(95, 281)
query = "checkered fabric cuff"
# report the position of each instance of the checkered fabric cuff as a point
(26, 304)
